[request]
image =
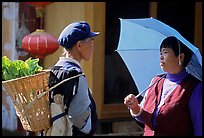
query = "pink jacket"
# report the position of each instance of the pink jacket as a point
(173, 118)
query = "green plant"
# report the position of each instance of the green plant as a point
(18, 68)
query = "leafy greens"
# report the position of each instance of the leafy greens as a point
(18, 68)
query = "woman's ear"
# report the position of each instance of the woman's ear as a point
(182, 56)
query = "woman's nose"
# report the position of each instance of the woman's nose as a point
(161, 56)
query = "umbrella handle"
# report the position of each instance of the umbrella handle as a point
(150, 86)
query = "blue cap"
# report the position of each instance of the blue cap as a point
(74, 32)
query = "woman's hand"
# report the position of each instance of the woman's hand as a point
(132, 103)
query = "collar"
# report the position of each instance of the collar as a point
(177, 77)
(70, 60)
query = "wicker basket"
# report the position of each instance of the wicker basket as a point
(30, 99)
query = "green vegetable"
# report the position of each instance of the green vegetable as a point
(18, 68)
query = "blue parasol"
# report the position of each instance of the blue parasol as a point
(139, 45)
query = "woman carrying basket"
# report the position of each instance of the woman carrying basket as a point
(73, 109)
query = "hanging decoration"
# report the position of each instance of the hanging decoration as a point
(40, 9)
(40, 43)
(39, 6)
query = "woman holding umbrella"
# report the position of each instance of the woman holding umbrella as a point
(172, 106)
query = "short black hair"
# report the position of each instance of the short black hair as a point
(173, 43)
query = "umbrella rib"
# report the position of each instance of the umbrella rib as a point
(150, 86)
(133, 49)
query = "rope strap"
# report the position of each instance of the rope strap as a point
(43, 93)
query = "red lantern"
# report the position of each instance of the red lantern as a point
(39, 7)
(39, 4)
(40, 43)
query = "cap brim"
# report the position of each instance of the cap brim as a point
(92, 34)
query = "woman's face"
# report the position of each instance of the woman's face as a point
(87, 48)
(168, 61)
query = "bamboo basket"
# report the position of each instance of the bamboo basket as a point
(30, 99)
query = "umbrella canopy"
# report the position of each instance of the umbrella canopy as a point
(139, 47)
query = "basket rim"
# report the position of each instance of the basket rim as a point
(38, 73)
